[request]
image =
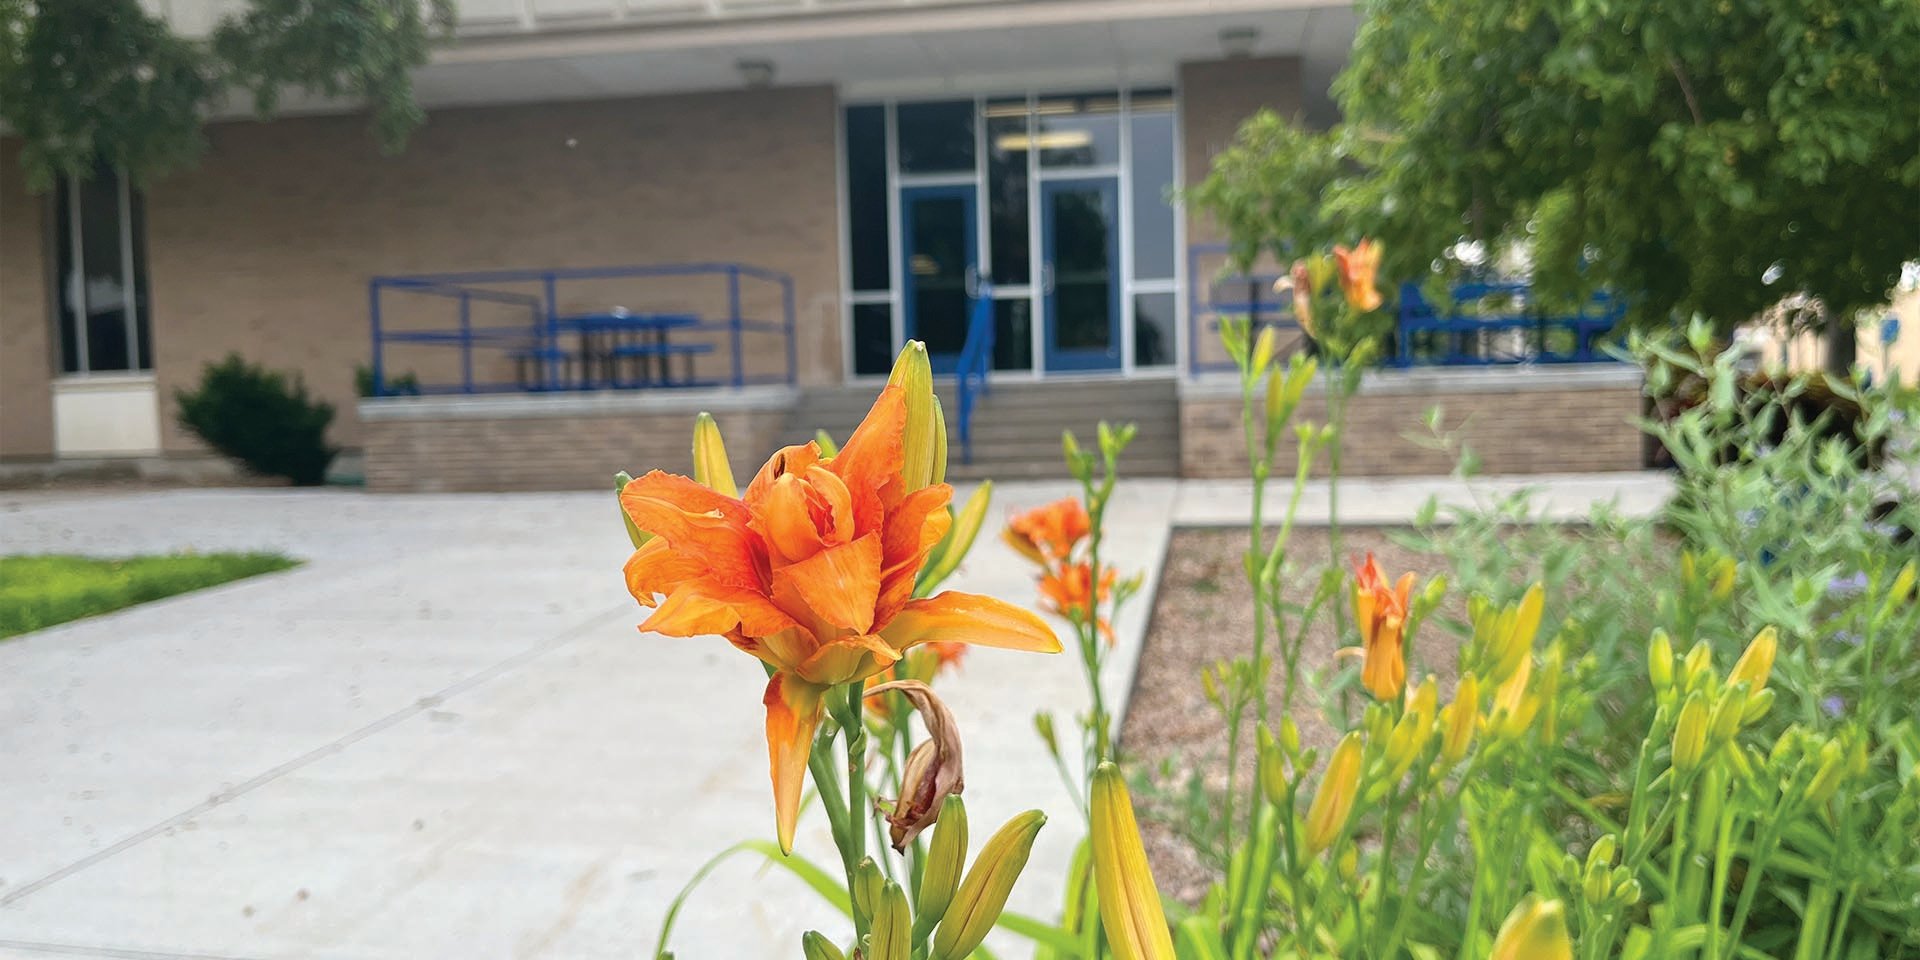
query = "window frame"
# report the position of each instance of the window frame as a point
(133, 278)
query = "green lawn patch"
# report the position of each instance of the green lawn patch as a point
(40, 590)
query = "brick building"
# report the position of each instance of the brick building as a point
(872, 160)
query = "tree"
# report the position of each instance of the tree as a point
(1705, 158)
(91, 82)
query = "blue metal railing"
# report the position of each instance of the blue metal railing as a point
(1469, 333)
(534, 317)
(1496, 323)
(976, 361)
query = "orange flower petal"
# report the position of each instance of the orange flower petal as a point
(839, 584)
(847, 659)
(656, 569)
(871, 458)
(793, 714)
(784, 518)
(970, 618)
(680, 492)
(914, 528)
(836, 525)
(792, 459)
(702, 608)
(721, 540)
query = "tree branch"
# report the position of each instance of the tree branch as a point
(1686, 90)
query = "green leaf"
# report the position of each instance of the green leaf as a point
(829, 887)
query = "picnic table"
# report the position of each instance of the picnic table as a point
(616, 349)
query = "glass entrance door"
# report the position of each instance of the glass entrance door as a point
(1080, 272)
(939, 243)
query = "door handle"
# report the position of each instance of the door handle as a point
(971, 281)
(1046, 276)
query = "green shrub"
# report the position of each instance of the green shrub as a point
(261, 418)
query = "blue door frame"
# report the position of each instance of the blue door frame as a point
(942, 360)
(1081, 358)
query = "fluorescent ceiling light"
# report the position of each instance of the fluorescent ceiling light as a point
(1045, 140)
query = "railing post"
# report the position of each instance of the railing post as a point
(379, 347)
(733, 310)
(793, 350)
(466, 343)
(550, 337)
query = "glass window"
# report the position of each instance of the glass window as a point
(102, 292)
(936, 137)
(1013, 334)
(1154, 319)
(872, 337)
(1080, 130)
(1153, 248)
(1007, 190)
(867, 197)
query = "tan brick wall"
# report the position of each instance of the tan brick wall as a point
(267, 244)
(562, 452)
(1531, 431)
(26, 352)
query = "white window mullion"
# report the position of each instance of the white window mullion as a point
(1036, 253)
(76, 279)
(1123, 186)
(896, 317)
(128, 300)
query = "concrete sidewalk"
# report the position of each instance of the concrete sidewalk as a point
(441, 736)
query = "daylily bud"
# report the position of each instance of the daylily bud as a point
(1857, 757)
(1757, 706)
(1284, 391)
(1723, 573)
(940, 875)
(824, 440)
(1513, 709)
(923, 437)
(1459, 719)
(1263, 346)
(1757, 662)
(1689, 568)
(932, 771)
(867, 882)
(1535, 930)
(939, 441)
(1601, 853)
(1724, 721)
(954, 546)
(983, 893)
(710, 466)
(1043, 725)
(1433, 593)
(1526, 618)
(1826, 779)
(1660, 661)
(1699, 661)
(1290, 736)
(890, 939)
(1690, 734)
(1347, 864)
(1902, 586)
(1404, 744)
(1333, 801)
(814, 946)
(636, 535)
(1272, 768)
(1130, 908)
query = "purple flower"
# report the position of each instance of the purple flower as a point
(1848, 637)
(1834, 706)
(1848, 586)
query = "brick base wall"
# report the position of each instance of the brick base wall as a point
(1541, 420)
(555, 443)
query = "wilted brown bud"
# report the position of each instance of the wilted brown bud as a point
(932, 771)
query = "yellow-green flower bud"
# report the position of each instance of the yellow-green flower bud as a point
(1690, 734)
(1272, 768)
(983, 892)
(635, 535)
(1757, 706)
(1130, 910)
(890, 939)
(1689, 568)
(1289, 736)
(1902, 585)
(1660, 661)
(1697, 666)
(923, 436)
(710, 466)
(1263, 347)
(1728, 708)
(1826, 778)
(1723, 573)
(1601, 853)
(814, 946)
(1459, 719)
(940, 875)
(1333, 801)
(867, 881)
(1043, 725)
(1535, 930)
(1756, 663)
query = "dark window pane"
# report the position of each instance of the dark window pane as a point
(939, 242)
(1007, 191)
(1153, 250)
(1013, 334)
(1083, 219)
(103, 274)
(872, 337)
(867, 197)
(1078, 131)
(936, 137)
(1154, 318)
(72, 291)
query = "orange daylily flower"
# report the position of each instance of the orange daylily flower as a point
(1066, 591)
(811, 570)
(1357, 269)
(1381, 613)
(1047, 535)
(1303, 292)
